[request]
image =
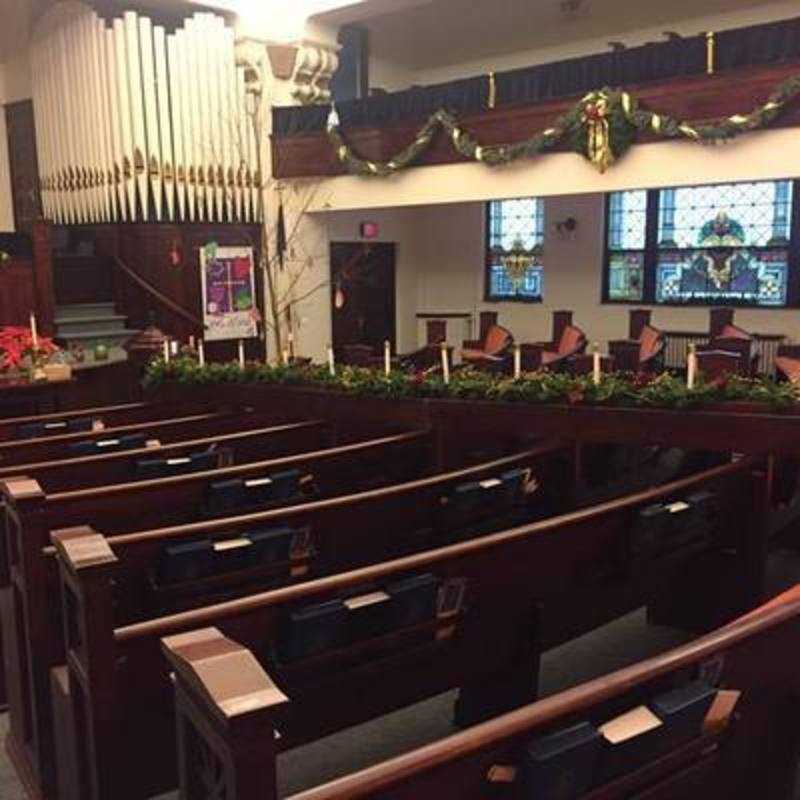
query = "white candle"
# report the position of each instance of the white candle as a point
(445, 364)
(201, 353)
(596, 364)
(166, 350)
(517, 361)
(387, 357)
(191, 342)
(241, 354)
(691, 367)
(331, 364)
(173, 347)
(286, 356)
(34, 332)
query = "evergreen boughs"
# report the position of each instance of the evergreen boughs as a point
(615, 389)
(621, 117)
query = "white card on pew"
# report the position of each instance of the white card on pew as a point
(107, 442)
(54, 425)
(231, 544)
(366, 600)
(490, 483)
(257, 482)
(674, 508)
(633, 723)
(173, 462)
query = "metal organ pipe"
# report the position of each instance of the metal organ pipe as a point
(133, 123)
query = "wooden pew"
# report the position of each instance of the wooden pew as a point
(110, 416)
(752, 753)
(28, 615)
(120, 467)
(165, 431)
(516, 582)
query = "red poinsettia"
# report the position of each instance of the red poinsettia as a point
(16, 343)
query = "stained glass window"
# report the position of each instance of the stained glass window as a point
(723, 244)
(515, 235)
(627, 224)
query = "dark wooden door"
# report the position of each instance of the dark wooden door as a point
(362, 293)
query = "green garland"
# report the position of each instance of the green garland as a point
(615, 389)
(602, 126)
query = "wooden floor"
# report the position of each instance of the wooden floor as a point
(622, 642)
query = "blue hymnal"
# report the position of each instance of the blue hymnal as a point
(683, 712)
(35, 430)
(240, 493)
(413, 600)
(186, 561)
(561, 765)
(272, 545)
(315, 629)
(177, 465)
(111, 444)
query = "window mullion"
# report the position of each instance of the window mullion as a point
(651, 247)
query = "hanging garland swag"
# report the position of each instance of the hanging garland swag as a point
(601, 127)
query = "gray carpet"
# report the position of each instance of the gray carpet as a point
(622, 642)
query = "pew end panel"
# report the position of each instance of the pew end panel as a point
(225, 717)
(86, 568)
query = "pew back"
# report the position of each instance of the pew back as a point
(488, 646)
(751, 754)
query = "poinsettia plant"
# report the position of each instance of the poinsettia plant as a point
(16, 344)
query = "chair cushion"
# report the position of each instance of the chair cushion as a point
(496, 339)
(548, 357)
(734, 332)
(570, 340)
(649, 343)
(790, 367)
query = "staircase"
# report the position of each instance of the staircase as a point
(89, 324)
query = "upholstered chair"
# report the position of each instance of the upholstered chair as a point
(645, 354)
(492, 353)
(733, 339)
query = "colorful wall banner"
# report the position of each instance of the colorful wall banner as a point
(229, 292)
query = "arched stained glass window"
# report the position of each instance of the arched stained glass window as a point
(721, 244)
(515, 235)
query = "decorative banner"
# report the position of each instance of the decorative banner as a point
(229, 292)
(601, 127)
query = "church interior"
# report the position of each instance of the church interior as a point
(398, 400)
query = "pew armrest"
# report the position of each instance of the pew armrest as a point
(222, 674)
(82, 548)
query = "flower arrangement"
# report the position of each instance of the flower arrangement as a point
(17, 349)
(615, 389)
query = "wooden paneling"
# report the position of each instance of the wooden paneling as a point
(702, 97)
(22, 158)
(17, 292)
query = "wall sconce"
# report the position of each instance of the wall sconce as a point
(567, 227)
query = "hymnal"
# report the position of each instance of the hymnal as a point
(561, 765)
(367, 615)
(413, 600)
(630, 740)
(682, 711)
(271, 545)
(186, 561)
(314, 629)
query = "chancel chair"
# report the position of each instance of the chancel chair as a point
(787, 363)
(556, 355)
(492, 353)
(644, 354)
(718, 364)
(725, 337)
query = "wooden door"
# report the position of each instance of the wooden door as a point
(362, 293)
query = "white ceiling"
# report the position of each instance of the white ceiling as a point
(438, 33)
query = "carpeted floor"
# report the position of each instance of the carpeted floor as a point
(622, 642)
